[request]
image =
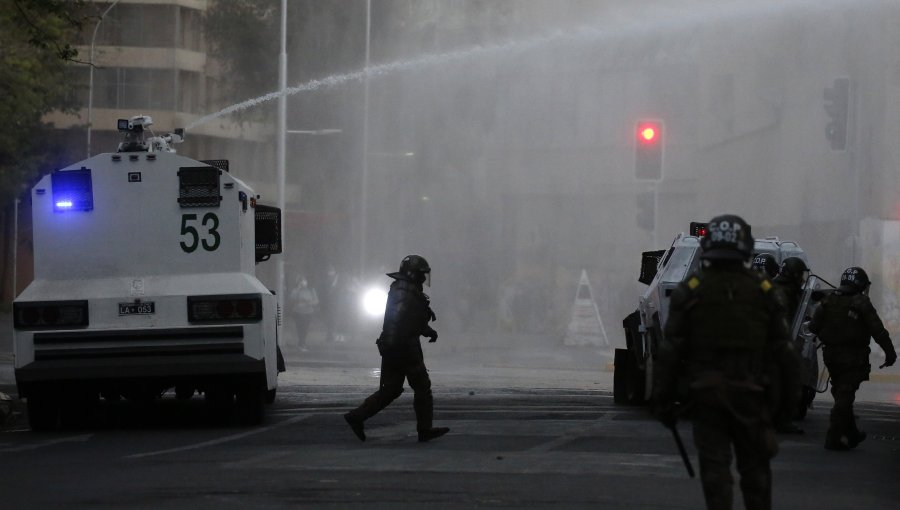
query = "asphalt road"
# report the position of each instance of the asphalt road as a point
(541, 436)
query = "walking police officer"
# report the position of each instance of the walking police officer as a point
(844, 322)
(406, 318)
(790, 282)
(725, 332)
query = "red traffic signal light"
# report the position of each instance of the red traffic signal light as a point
(699, 229)
(648, 133)
(648, 150)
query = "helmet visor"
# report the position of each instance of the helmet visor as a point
(427, 281)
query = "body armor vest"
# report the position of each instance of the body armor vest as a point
(842, 323)
(406, 316)
(731, 313)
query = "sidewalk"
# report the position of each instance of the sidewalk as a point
(489, 351)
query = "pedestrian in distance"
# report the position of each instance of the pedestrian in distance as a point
(844, 322)
(304, 302)
(406, 317)
(725, 334)
(337, 301)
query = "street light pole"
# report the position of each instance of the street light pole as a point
(364, 178)
(15, 282)
(282, 134)
(91, 78)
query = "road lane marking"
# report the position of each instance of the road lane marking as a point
(576, 432)
(51, 442)
(220, 440)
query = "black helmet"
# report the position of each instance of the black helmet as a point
(794, 269)
(766, 263)
(416, 268)
(728, 238)
(854, 279)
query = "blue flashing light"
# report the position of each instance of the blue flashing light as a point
(72, 190)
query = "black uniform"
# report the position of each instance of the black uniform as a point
(791, 290)
(406, 318)
(792, 293)
(790, 281)
(844, 322)
(725, 332)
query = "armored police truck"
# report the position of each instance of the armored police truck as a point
(662, 271)
(144, 281)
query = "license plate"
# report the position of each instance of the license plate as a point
(145, 308)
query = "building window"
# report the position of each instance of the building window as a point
(188, 92)
(190, 32)
(143, 26)
(130, 88)
(147, 26)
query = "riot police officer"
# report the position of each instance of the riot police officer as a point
(726, 330)
(791, 280)
(406, 318)
(844, 322)
(766, 263)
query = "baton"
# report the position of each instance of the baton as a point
(681, 450)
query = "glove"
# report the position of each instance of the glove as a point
(890, 359)
(432, 337)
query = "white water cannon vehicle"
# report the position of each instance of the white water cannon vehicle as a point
(662, 271)
(144, 281)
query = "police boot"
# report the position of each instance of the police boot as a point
(855, 436)
(836, 441)
(433, 432)
(423, 404)
(356, 424)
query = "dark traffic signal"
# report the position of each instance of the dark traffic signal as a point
(837, 106)
(648, 150)
(646, 210)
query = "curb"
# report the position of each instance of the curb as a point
(884, 377)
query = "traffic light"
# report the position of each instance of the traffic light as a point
(699, 229)
(648, 150)
(646, 210)
(837, 106)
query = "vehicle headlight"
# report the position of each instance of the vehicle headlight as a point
(374, 301)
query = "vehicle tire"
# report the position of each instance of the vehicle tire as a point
(628, 379)
(636, 384)
(251, 397)
(43, 412)
(77, 408)
(621, 375)
(270, 396)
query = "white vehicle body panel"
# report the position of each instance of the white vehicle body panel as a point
(138, 244)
